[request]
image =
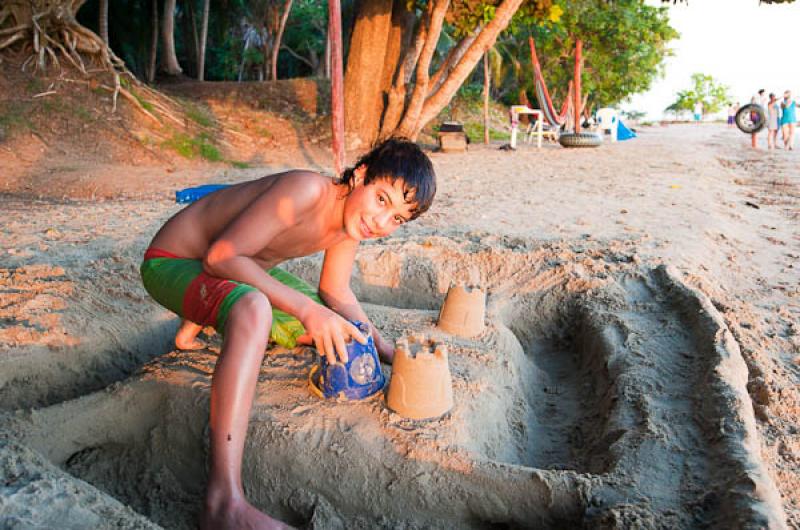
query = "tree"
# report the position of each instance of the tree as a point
(150, 71)
(625, 43)
(706, 91)
(170, 59)
(306, 38)
(48, 33)
(103, 20)
(201, 59)
(389, 86)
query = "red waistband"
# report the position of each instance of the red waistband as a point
(153, 252)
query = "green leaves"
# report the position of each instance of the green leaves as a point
(705, 90)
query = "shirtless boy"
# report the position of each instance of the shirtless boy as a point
(210, 263)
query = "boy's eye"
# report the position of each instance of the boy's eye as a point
(381, 199)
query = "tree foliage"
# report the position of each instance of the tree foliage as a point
(624, 45)
(706, 91)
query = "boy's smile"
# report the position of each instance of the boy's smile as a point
(377, 209)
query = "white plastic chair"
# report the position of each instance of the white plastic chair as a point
(607, 120)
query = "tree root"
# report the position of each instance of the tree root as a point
(51, 38)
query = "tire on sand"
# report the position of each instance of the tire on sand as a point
(751, 118)
(584, 139)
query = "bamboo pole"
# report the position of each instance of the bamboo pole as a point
(578, 54)
(486, 87)
(337, 85)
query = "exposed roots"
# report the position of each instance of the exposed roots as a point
(44, 35)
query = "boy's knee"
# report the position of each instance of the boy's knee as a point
(252, 309)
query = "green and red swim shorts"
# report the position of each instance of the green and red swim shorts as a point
(180, 285)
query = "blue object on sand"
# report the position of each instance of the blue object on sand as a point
(358, 379)
(623, 133)
(188, 195)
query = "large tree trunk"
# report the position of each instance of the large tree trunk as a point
(395, 77)
(362, 83)
(201, 59)
(371, 52)
(276, 47)
(103, 22)
(170, 60)
(151, 63)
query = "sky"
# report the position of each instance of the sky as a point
(740, 43)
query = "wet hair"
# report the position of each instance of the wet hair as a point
(761, 91)
(771, 95)
(398, 158)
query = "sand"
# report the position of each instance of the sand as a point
(638, 368)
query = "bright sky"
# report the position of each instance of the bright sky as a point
(739, 43)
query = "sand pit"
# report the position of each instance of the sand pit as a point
(602, 393)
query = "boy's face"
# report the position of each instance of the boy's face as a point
(377, 209)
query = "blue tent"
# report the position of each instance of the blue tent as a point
(623, 133)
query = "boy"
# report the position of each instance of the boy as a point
(209, 263)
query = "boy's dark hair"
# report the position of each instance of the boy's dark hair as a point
(399, 158)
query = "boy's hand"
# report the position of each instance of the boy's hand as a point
(330, 332)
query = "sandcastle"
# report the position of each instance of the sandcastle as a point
(421, 388)
(463, 311)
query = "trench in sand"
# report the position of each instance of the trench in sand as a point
(575, 405)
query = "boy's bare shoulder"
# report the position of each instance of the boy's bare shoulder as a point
(304, 185)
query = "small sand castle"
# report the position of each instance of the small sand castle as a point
(421, 388)
(463, 311)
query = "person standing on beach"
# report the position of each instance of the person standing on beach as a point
(788, 119)
(732, 114)
(698, 111)
(773, 121)
(758, 98)
(213, 263)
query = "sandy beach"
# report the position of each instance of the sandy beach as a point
(639, 367)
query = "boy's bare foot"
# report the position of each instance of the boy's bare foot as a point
(186, 338)
(238, 515)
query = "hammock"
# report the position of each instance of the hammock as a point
(542, 94)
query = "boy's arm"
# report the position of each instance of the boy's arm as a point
(231, 255)
(334, 289)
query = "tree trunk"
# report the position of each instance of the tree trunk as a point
(276, 47)
(487, 37)
(103, 22)
(362, 84)
(201, 59)
(409, 124)
(171, 66)
(486, 86)
(337, 86)
(394, 78)
(151, 63)
(328, 55)
(370, 51)
(195, 36)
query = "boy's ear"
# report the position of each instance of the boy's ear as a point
(359, 174)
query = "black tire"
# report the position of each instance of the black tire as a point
(584, 139)
(751, 118)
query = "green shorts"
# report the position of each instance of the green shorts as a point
(181, 285)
